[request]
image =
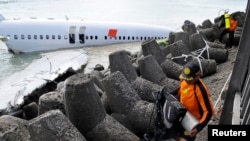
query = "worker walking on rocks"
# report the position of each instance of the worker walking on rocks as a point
(230, 27)
(194, 95)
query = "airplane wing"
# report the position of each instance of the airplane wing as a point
(50, 66)
(3, 38)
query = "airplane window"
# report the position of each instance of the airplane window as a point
(22, 37)
(145, 38)
(65, 37)
(137, 38)
(124, 37)
(141, 38)
(120, 37)
(15, 37)
(91, 37)
(128, 38)
(35, 36)
(133, 38)
(29, 36)
(96, 37)
(59, 37)
(41, 37)
(87, 37)
(47, 36)
(53, 36)
(105, 37)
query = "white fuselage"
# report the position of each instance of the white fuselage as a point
(49, 34)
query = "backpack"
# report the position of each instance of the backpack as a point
(173, 111)
(168, 111)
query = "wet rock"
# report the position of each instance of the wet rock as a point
(121, 96)
(171, 69)
(150, 47)
(53, 126)
(30, 111)
(119, 61)
(82, 103)
(13, 129)
(111, 130)
(51, 101)
(145, 89)
(152, 71)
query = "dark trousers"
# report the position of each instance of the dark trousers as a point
(231, 37)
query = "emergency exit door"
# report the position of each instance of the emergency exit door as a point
(72, 31)
(82, 34)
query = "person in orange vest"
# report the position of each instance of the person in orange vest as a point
(194, 95)
(230, 29)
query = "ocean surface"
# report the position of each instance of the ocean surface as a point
(171, 13)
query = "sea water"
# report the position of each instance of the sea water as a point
(169, 13)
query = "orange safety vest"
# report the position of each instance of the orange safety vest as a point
(233, 24)
(196, 99)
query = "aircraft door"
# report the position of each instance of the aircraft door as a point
(72, 31)
(82, 34)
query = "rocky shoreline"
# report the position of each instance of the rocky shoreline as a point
(117, 103)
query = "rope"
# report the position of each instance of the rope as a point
(185, 56)
(199, 61)
(219, 97)
(196, 55)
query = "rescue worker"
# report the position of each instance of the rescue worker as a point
(195, 97)
(230, 28)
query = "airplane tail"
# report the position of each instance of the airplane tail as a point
(1, 17)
